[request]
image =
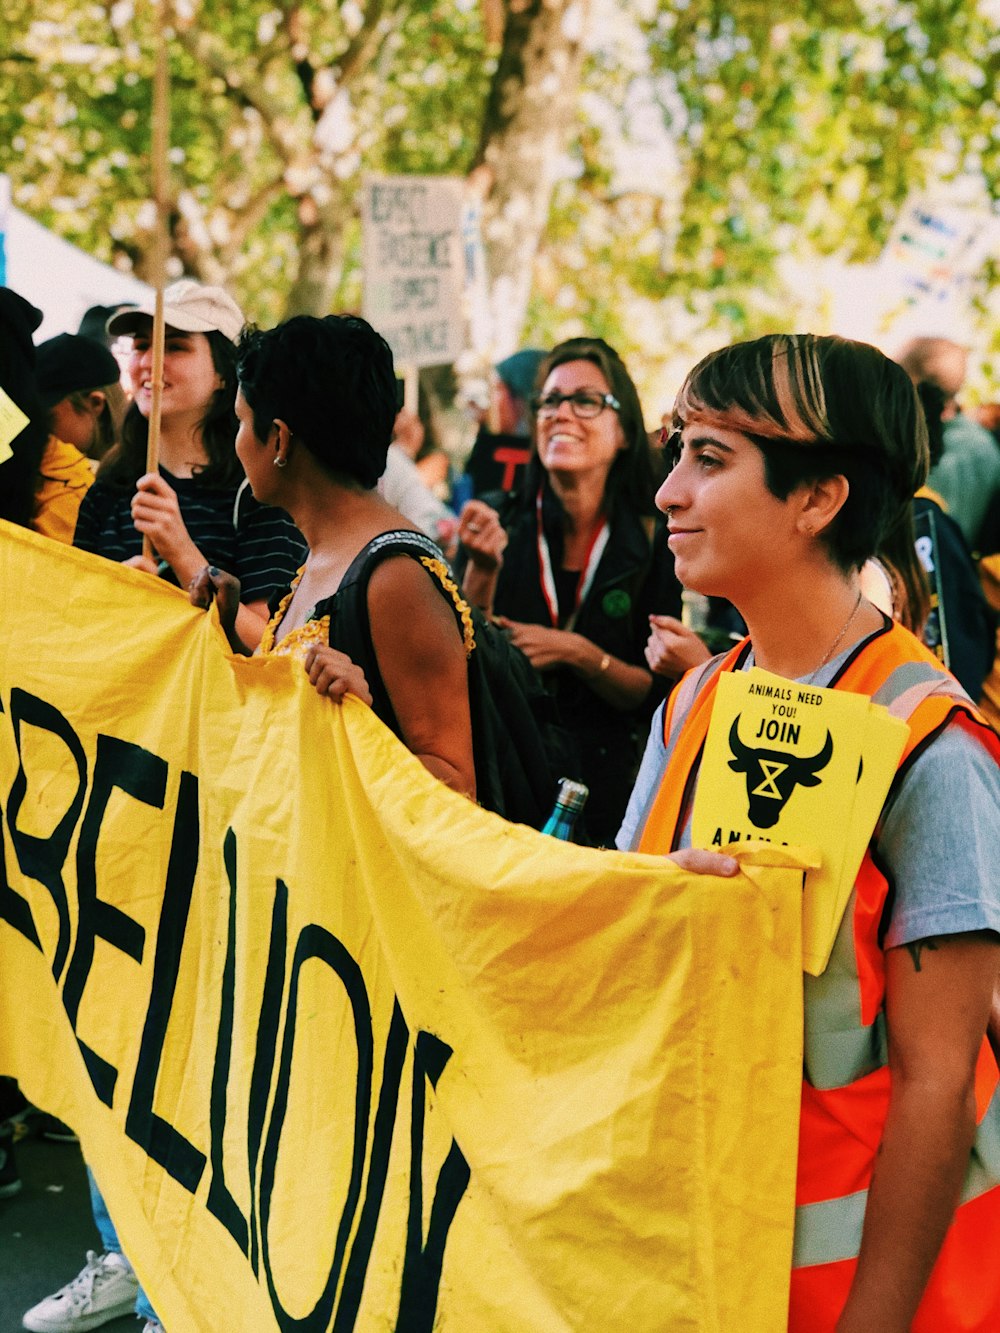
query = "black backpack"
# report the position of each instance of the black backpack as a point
(519, 748)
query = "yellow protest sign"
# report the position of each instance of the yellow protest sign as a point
(345, 1051)
(803, 766)
(12, 422)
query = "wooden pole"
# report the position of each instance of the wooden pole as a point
(411, 388)
(158, 266)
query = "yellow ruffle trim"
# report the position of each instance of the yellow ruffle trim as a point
(297, 641)
(267, 638)
(441, 572)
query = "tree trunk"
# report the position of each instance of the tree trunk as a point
(528, 120)
(321, 256)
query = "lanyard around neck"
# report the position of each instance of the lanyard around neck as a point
(598, 541)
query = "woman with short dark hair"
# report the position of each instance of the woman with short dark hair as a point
(793, 456)
(316, 407)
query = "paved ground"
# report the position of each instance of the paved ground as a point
(45, 1230)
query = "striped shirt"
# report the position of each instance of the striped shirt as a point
(257, 543)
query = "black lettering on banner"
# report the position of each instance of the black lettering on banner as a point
(143, 776)
(378, 1171)
(266, 1052)
(13, 908)
(156, 1136)
(221, 1203)
(42, 859)
(315, 942)
(423, 1261)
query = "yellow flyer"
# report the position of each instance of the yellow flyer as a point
(803, 766)
(12, 422)
(885, 740)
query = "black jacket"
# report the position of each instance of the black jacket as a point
(635, 577)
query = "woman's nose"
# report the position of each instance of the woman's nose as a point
(669, 494)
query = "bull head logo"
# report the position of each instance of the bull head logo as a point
(772, 775)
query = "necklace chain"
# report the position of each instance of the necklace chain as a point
(836, 643)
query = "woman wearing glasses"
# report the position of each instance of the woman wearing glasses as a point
(566, 564)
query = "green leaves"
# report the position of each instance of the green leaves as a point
(773, 135)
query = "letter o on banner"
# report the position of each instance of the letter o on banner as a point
(315, 942)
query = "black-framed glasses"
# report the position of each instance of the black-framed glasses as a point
(584, 403)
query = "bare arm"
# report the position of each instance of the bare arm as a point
(422, 661)
(243, 622)
(156, 513)
(938, 998)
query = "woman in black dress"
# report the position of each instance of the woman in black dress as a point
(567, 566)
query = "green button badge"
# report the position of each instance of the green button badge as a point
(616, 604)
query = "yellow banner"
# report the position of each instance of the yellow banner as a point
(345, 1051)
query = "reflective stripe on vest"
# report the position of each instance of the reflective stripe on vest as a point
(830, 1231)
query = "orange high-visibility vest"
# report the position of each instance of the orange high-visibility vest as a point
(845, 1086)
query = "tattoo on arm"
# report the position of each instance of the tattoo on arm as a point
(916, 949)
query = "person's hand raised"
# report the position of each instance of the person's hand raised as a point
(672, 648)
(482, 534)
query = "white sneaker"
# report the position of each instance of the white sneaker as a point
(152, 1326)
(106, 1288)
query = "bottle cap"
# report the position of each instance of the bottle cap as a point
(572, 794)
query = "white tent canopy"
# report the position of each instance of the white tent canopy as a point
(62, 280)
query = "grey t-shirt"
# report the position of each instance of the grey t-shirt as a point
(940, 836)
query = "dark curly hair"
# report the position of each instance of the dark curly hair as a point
(125, 462)
(332, 382)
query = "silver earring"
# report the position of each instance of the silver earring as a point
(280, 462)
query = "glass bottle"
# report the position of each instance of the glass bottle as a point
(569, 803)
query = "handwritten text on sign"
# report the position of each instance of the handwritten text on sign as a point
(413, 266)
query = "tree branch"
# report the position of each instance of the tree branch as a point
(364, 45)
(249, 218)
(280, 126)
(359, 53)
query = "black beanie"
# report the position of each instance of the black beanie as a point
(70, 362)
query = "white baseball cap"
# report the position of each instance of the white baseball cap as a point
(189, 307)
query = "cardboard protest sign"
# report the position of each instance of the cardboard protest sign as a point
(414, 266)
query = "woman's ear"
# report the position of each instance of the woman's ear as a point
(280, 442)
(821, 502)
(96, 401)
